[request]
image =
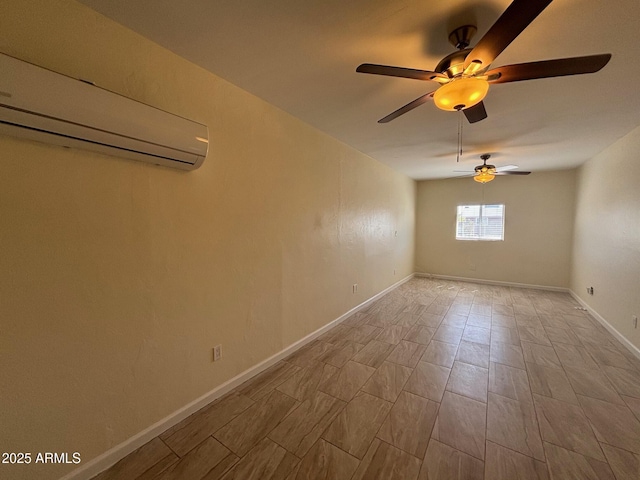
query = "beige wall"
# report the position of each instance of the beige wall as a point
(538, 229)
(117, 277)
(606, 244)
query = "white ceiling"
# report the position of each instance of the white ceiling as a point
(301, 56)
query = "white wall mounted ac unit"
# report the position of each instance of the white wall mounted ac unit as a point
(46, 106)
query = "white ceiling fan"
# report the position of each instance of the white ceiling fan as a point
(486, 172)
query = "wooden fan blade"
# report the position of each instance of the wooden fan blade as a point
(399, 72)
(512, 173)
(476, 113)
(408, 107)
(510, 24)
(548, 68)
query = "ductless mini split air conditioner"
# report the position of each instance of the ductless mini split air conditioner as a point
(42, 105)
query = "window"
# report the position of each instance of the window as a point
(480, 222)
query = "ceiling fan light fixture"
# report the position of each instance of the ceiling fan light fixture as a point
(461, 93)
(484, 177)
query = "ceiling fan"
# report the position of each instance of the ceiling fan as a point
(464, 76)
(486, 172)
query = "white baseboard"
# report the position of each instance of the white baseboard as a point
(612, 330)
(113, 455)
(493, 282)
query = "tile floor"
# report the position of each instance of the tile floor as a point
(436, 380)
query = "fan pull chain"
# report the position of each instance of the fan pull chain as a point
(459, 154)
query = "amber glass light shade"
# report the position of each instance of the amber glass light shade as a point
(461, 93)
(484, 177)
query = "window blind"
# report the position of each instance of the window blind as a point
(480, 222)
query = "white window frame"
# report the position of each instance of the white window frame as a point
(482, 237)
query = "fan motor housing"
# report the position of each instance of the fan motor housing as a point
(453, 65)
(485, 168)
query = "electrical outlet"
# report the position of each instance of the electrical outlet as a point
(355, 288)
(217, 353)
(394, 271)
(634, 319)
(590, 290)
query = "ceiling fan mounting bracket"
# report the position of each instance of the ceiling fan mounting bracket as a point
(461, 36)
